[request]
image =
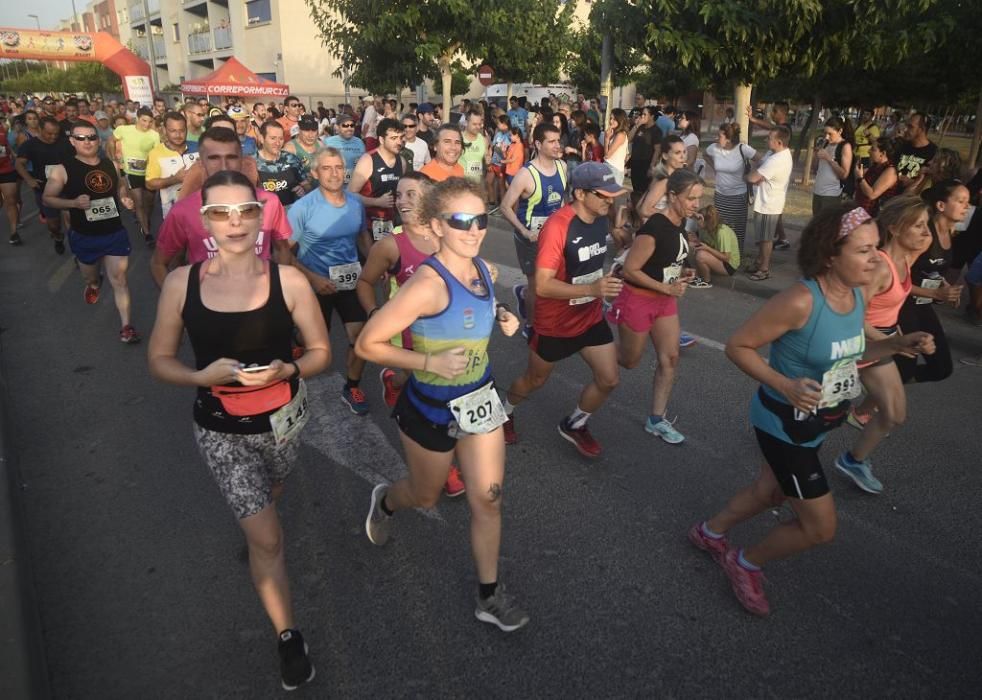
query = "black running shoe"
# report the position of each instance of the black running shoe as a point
(60, 246)
(148, 239)
(15, 239)
(295, 666)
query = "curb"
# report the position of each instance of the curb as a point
(23, 666)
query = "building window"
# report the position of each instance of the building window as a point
(267, 76)
(258, 12)
(177, 31)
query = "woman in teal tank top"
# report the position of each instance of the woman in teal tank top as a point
(815, 330)
(450, 402)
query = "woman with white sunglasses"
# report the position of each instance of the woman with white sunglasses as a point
(239, 312)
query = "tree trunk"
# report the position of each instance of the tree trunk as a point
(446, 80)
(806, 176)
(973, 150)
(508, 96)
(741, 100)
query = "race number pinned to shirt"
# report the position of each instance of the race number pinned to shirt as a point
(290, 419)
(478, 412)
(672, 273)
(381, 228)
(589, 278)
(136, 165)
(928, 283)
(840, 383)
(535, 227)
(345, 277)
(101, 209)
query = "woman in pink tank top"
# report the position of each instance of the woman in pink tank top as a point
(904, 235)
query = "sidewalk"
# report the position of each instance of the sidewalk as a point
(23, 671)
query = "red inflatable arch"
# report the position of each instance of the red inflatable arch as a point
(30, 44)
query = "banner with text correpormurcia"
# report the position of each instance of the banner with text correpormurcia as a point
(235, 89)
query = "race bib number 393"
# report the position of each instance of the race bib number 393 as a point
(840, 383)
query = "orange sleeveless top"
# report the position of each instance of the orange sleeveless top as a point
(884, 308)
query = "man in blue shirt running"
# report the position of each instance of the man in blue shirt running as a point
(329, 225)
(518, 115)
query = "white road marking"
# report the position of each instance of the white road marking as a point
(354, 442)
(61, 275)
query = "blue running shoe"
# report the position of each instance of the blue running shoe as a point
(355, 399)
(860, 472)
(686, 340)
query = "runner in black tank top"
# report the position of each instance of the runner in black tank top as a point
(374, 180)
(92, 191)
(239, 312)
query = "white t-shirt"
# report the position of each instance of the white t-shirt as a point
(772, 190)
(728, 164)
(690, 140)
(368, 122)
(421, 153)
(827, 182)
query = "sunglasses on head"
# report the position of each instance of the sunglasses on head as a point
(87, 137)
(223, 212)
(463, 222)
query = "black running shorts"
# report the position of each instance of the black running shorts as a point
(345, 303)
(552, 349)
(797, 468)
(418, 428)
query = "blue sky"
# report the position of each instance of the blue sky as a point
(14, 14)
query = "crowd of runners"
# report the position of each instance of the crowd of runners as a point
(275, 218)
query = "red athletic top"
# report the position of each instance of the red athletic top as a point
(6, 157)
(575, 250)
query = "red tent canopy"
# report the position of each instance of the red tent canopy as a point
(232, 78)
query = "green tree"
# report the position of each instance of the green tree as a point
(399, 42)
(81, 77)
(460, 84)
(541, 36)
(625, 22)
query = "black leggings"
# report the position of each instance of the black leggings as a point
(921, 317)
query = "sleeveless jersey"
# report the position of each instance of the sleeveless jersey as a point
(384, 179)
(6, 157)
(826, 341)
(101, 183)
(252, 337)
(306, 157)
(466, 322)
(548, 195)
(928, 270)
(884, 307)
(409, 260)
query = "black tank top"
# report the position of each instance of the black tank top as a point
(383, 180)
(101, 183)
(933, 262)
(251, 337)
(671, 248)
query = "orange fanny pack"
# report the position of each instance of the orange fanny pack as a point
(252, 400)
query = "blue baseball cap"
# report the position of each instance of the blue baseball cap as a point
(597, 177)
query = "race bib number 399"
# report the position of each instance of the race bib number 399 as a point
(345, 277)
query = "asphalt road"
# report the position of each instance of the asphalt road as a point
(142, 592)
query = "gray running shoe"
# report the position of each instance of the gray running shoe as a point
(500, 610)
(377, 522)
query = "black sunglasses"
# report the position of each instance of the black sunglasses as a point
(464, 222)
(347, 125)
(90, 137)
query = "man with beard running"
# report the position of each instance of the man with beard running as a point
(375, 178)
(44, 152)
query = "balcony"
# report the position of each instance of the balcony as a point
(140, 48)
(153, 7)
(159, 52)
(199, 42)
(136, 14)
(223, 38)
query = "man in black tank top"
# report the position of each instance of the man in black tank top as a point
(92, 191)
(376, 175)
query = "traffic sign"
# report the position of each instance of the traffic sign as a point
(485, 75)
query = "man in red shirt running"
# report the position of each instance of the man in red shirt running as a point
(570, 286)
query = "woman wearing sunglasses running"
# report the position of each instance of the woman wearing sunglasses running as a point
(449, 402)
(239, 312)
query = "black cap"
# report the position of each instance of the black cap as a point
(308, 123)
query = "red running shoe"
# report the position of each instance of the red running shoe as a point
(581, 439)
(129, 335)
(390, 393)
(748, 586)
(455, 485)
(715, 547)
(511, 437)
(90, 293)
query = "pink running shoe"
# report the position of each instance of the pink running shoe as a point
(748, 586)
(716, 548)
